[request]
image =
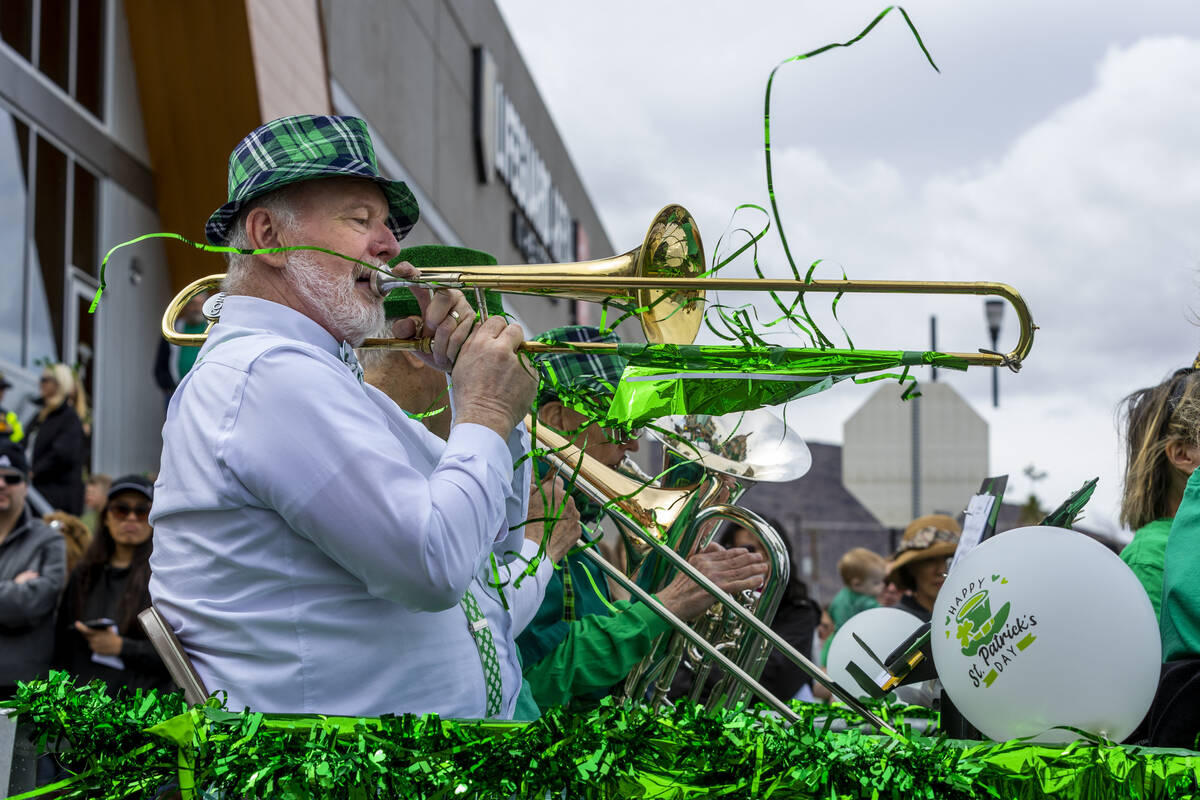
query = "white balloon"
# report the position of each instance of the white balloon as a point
(883, 630)
(1040, 627)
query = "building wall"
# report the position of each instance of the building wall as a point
(877, 455)
(180, 84)
(407, 68)
(107, 197)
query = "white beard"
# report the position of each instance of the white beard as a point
(346, 314)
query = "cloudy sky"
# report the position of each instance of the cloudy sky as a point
(1058, 151)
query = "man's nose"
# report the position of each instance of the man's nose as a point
(385, 246)
(631, 446)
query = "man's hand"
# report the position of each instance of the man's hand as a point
(565, 532)
(446, 317)
(493, 385)
(104, 642)
(734, 570)
(26, 576)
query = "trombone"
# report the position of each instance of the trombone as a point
(663, 277)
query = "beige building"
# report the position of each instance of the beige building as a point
(117, 118)
(938, 438)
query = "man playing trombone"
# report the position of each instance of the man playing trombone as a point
(314, 547)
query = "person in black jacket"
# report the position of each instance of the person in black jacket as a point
(795, 621)
(32, 571)
(98, 635)
(58, 442)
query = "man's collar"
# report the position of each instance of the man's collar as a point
(243, 311)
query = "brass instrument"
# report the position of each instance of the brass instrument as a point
(746, 446)
(662, 276)
(648, 513)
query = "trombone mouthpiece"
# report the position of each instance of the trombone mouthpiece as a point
(383, 284)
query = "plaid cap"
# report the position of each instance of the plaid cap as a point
(579, 372)
(301, 148)
(401, 303)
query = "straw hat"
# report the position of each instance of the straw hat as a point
(930, 536)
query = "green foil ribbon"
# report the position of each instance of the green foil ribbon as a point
(663, 379)
(133, 746)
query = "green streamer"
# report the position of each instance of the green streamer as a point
(767, 109)
(212, 248)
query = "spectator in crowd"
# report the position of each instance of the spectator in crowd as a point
(862, 573)
(173, 361)
(32, 571)
(76, 535)
(1174, 717)
(796, 620)
(1161, 452)
(57, 442)
(920, 564)
(891, 594)
(97, 633)
(10, 426)
(94, 497)
(83, 409)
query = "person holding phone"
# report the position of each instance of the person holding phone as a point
(97, 634)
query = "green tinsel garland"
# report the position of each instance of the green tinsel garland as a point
(610, 751)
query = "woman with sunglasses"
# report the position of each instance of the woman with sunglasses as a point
(1162, 450)
(98, 635)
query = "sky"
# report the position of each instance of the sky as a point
(1056, 151)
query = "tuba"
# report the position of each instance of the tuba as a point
(664, 524)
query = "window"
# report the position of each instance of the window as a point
(48, 226)
(16, 26)
(14, 148)
(70, 43)
(49, 248)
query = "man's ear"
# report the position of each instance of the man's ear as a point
(264, 232)
(551, 413)
(1183, 456)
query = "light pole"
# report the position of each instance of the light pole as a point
(993, 310)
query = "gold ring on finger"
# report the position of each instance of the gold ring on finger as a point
(455, 316)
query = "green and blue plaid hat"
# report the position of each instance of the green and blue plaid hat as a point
(401, 303)
(302, 148)
(594, 373)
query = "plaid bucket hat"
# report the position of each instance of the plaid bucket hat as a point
(302, 148)
(401, 303)
(593, 373)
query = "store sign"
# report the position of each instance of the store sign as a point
(504, 148)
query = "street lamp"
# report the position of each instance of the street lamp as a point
(994, 311)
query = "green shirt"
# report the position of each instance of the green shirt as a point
(594, 648)
(1145, 556)
(847, 602)
(1179, 621)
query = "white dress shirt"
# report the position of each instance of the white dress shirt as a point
(312, 542)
